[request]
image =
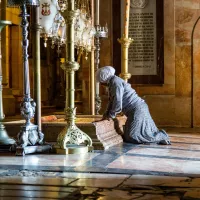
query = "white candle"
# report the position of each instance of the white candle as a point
(126, 18)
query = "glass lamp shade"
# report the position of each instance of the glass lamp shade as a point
(58, 22)
(80, 22)
(62, 32)
(62, 4)
(48, 11)
(17, 3)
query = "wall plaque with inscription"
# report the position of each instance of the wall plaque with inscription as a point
(145, 58)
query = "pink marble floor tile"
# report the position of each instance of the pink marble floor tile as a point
(183, 139)
(174, 146)
(165, 152)
(55, 181)
(95, 182)
(168, 181)
(185, 135)
(94, 175)
(156, 164)
(116, 194)
(192, 194)
(48, 160)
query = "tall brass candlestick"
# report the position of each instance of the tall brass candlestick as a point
(71, 137)
(97, 58)
(92, 70)
(125, 43)
(101, 32)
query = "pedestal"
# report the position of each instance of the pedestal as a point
(5, 140)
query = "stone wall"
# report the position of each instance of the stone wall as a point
(11, 59)
(176, 102)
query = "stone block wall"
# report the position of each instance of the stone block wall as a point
(176, 102)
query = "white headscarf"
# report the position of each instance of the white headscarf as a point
(104, 74)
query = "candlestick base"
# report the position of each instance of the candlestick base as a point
(74, 149)
(4, 138)
(22, 151)
(73, 140)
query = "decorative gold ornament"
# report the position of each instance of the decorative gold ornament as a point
(125, 43)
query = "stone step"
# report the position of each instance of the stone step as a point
(103, 133)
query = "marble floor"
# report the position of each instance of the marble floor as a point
(125, 171)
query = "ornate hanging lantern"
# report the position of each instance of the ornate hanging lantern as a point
(62, 5)
(48, 11)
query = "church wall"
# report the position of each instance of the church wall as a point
(177, 101)
(11, 60)
(172, 104)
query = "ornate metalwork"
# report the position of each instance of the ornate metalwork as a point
(71, 133)
(101, 32)
(97, 102)
(36, 28)
(4, 139)
(125, 43)
(70, 66)
(29, 134)
(62, 4)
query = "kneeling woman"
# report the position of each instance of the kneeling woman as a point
(139, 127)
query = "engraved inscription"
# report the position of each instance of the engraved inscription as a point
(142, 57)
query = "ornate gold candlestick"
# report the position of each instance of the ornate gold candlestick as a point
(4, 138)
(101, 32)
(125, 43)
(71, 137)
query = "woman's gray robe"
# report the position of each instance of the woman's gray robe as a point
(139, 127)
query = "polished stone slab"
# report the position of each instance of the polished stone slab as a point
(178, 146)
(34, 194)
(127, 195)
(161, 181)
(187, 140)
(125, 171)
(157, 165)
(53, 181)
(99, 182)
(168, 153)
(37, 188)
(48, 160)
(134, 187)
(104, 133)
(185, 135)
(178, 159)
